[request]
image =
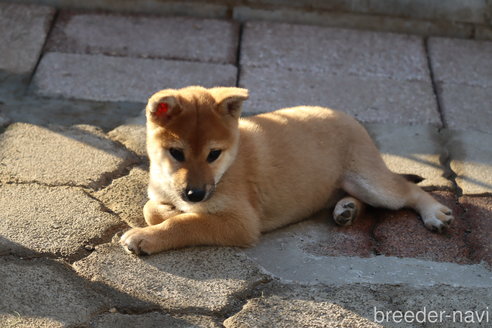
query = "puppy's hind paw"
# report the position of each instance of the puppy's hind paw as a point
(345, 212)
(438, 219)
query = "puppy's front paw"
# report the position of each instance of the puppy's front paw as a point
(140, 241)
(438, 218)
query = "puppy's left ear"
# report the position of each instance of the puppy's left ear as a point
(230, 100)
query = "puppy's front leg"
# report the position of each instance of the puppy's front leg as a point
(193, 229)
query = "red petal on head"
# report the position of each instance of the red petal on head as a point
(162, 109)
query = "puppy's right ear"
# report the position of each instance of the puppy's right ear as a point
(163, 107)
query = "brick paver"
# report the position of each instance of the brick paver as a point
(463, 75)
(23, 30)
(377, 77)
(180, 38)
(106, 78)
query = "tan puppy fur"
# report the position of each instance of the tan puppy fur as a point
(271, 170)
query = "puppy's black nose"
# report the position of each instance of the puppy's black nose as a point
(194, 195)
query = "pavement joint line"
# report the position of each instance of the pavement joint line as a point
(50, 29)
(445, 159)
(433, 82)
(238, 52)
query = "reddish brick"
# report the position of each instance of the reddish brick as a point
(478, 214)
(354, 240)
(402, 233)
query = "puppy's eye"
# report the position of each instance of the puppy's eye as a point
(177, 154)
(213, 155)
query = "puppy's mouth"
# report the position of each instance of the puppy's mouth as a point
(197, 195)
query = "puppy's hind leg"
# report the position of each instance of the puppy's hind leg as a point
(379, 187)
(347, 210)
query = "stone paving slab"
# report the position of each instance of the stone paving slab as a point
(45, 112)
(207, 279)
(309, 306)
(105, 78)
(402, 234)
(133, 136)
(23, 30)
(461, 61)
(204, 40)
(466, 107)
(463, 76)
(27, 296)
(335, 51)
(80, 155)
(369, 99)
(412, 150)
(152, 320)
(51, 220)
(471, 160)
(359, 306)
(312, 252)
(478, 214)
(126, 196)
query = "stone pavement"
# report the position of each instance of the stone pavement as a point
(73, 175)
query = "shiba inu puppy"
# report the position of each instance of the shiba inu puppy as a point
(216, 179)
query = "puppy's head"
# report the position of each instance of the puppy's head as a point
(192, 138)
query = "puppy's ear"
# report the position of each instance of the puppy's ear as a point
(230, 100)
(163, 106)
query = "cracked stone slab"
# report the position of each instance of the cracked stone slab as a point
(207, 40)
(412, 150)
(23, 30)
(335, 51)
(133, 136)
(208, 279)
(360, 306)
(402, 234)
(106, 78)
(80, 155)
(44, 293)
(460, 61)
(310, 306)
(126, 196)
(471, 160)
(369, 99)
(51, 220)
(152, 320)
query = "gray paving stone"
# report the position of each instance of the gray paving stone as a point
(44, 293)
(208, 279)
(310, 306)
(153, 320)
(80, 155)
(132, 136)
(463, 74)
(127, 196)
(471, 160)
(412, 150)
(104, 78)
(357, 21)
(336, 51)
(51, 220)
(466, 107)
(203, 40)
(369, 99)
(461, 61)
(45, 112)
(23, 30)
(361, 306)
